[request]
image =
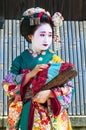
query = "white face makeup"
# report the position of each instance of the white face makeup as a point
(42, 38)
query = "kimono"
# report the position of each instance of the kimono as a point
(51, 115)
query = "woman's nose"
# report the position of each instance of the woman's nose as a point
(46, 38)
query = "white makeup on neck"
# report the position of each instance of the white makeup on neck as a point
(42, 38)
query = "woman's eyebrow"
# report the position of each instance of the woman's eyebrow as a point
(45, 32)
(42, 32)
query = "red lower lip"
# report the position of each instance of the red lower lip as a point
(45, 44)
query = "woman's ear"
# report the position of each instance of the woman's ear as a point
(30, 37)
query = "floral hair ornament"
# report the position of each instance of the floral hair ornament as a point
(30, 12)
(57, 19)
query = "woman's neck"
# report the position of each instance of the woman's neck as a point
(36, 51)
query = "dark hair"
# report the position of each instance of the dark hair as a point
(27, 29)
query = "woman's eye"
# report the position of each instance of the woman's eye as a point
(42, 35)
(50, 35)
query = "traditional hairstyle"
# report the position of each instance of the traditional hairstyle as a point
(34, 17)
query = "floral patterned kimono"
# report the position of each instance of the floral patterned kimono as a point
(51, 115)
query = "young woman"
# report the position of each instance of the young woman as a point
(31, 70)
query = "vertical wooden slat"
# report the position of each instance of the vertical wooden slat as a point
(6, 47)
(70, 42)
(77, 106)
(1, 71)
(84, 73)
(18, 37)
(10, 43)
(82, 46)
(14, 40)
(26, 44)
(22, 44)
(72, 109)
(79, 68)
(5, 64)
(66, 42)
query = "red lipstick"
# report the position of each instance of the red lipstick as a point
(45, 44)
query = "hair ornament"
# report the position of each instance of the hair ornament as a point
(32, 11)
(34, 21)
(57, 19)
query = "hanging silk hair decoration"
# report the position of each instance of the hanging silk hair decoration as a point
(57, 19)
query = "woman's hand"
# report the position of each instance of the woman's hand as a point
(17, 98)
(34, 72)
(37, 69)
(41, 97)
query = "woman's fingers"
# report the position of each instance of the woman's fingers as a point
(38, 68)
(42, 96)
(42, 66)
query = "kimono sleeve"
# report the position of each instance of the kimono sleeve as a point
(64, 96)
(16, 66)
(11, 82)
